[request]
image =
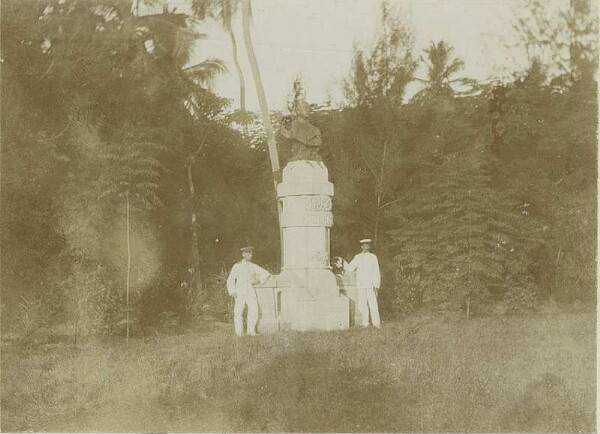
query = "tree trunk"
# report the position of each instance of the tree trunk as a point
(262, 100)
(240, 73)
(128, 269)
(195, 282)
(379, 194)
(376, 229)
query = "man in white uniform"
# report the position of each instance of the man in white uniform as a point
(240, 285)
(368, 280)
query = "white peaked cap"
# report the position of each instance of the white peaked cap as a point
(366, 240)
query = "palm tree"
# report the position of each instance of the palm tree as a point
(262, 100)
(223, 11)
(440, 68)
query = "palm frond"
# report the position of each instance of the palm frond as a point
(205, 71)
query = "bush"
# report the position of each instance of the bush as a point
(93, 300)
(160, 302)
(408, 296)
(219, 304)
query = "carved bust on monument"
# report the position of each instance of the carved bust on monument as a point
(298, 132)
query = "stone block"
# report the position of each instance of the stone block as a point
(268, 309)
(320, 282)
(301, 310)
(332, 314)
(306, 247)
(297, 188)
(347, 285)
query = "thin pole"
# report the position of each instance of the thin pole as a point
(266, 117)
(128, 268)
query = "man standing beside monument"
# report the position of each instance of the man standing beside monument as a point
(240, 285)
(368, 280)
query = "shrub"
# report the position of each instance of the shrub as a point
(160, 302)
(219, 304)
(93, 301)
(408, 296)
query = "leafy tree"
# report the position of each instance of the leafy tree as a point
(368, 137)
(32, 166)
(565, 41)
(382, 73)
(131, 176)
(84, 71)
(440, 69)
(457, 236)
(546, 145)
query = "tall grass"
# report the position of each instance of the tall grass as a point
(424, 373)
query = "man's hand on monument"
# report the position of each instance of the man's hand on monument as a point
(266, 278)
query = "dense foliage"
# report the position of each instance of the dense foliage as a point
(126, 190)
(98, 112)
(482, 200)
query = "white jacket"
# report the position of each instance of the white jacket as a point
(243, 276)
(367, 270)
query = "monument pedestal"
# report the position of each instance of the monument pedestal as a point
(347, 285)
(305, 296)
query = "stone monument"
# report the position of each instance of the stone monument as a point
(306, 295)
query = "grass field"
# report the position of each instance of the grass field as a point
(425, 373)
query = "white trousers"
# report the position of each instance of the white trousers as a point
(243, 299)
(367, 303)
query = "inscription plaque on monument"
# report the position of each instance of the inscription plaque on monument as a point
(314, 218)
